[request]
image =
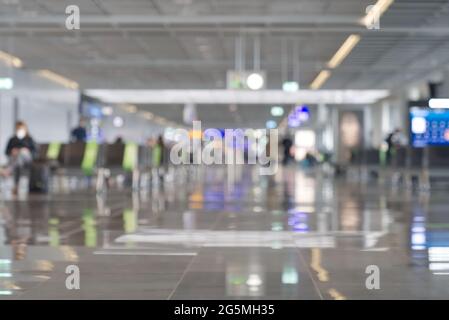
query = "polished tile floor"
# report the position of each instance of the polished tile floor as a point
(221, 233)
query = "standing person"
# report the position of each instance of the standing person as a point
(287, 144)
(79, 134)
(20, 150)
(392, 141)
(158, 155)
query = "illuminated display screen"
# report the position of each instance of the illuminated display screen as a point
(429, 127)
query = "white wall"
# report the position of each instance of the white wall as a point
(44, 106)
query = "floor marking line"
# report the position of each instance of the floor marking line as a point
(140, 253)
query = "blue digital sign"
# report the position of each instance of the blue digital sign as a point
(429, 127)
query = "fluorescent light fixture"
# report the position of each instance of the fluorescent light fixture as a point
(290, 86)
(148, 115)
(439, 103)
(376, 11)
(6, 83)
(320, 79)
(344, 51)
(277, 111)
(160, 120)
(57, 78)
(130, 108)
(255, 81)
(10, 60)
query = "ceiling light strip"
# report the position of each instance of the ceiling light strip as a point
(57, 78)
(344, 51)
(319, 81)
(10, 60)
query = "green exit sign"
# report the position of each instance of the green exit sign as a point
(6, 83)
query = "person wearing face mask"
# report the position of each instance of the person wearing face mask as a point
(20, 150)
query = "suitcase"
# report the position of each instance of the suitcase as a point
(39, 177)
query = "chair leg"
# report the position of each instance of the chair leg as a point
(424, 180)
(135, 179)
(101, 177)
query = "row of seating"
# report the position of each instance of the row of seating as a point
(406, 163)
(98, 160)
(403, 157)
(88, 156)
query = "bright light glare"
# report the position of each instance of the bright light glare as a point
(305, 139)
(118, 122)
(290, 86)
(6, 83)
(255, 81)
(107, 111)
(419, 125)
(254, 280)
(277, 111)
(439, 103)
(418, 239)
(438, 266)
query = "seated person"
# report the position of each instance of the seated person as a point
(79, 134)
(20, 150)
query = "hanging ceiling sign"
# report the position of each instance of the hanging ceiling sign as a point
(246, 80)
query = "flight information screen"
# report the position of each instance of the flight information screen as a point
(429, 127)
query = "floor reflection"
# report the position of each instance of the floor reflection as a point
(300, 234)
